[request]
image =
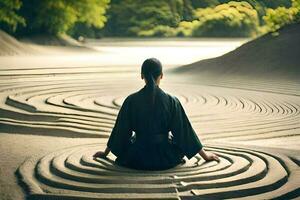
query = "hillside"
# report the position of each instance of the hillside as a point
(11, 46)
(40, 44)
(50, 40)
(277, 56)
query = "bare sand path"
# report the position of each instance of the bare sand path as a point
(55, 115)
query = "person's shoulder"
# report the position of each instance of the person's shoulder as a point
(131, 97)
(173, 99)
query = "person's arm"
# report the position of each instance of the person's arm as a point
(185, 136)
(102, 154)
(119, 137)
(208, 156)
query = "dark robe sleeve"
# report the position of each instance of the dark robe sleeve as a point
(183, 132)
(121, 133)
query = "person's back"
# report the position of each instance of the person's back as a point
(151, 146)
(141, 136)
(148, 119)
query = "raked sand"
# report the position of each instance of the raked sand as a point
(56, 111)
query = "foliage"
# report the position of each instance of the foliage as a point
(159, 31)
(83, 30)
(157, 18)
(185, 28)
(187, 10)
(265, 3)
(57, 16)
(275, 4)
(142, 18)
(281, 16)
(8, 15)
(204, 3)
(236, 19)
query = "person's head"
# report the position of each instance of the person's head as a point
(151, 72)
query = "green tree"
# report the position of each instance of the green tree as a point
(281, 16)
(235, 19)
(188, 10)
(58, 16)
(144, 18)
(261, 5)
(9, 19)
(275, 4)
(204, 3)
(265, 3)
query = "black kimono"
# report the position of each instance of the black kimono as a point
(152, 147)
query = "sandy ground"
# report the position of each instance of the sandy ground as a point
(15, 149)
(51, 102)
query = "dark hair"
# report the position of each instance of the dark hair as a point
(151, 69)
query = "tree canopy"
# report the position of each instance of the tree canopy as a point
(58, 16)
(235, 19)
(8, 16)
(281, 16)
(140, 18)
(218, 18)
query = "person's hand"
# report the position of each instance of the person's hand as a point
(211, 157)
(100, 154)
(208, 156)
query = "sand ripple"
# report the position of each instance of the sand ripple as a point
(88, 108)
(84, 102)
(73, 174)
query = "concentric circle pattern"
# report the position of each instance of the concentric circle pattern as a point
(87, 107)
(73, 174)
(84, 102)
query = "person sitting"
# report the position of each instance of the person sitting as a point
(152, 130)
